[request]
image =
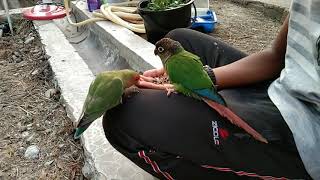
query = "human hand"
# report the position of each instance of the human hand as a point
(154, 72)
(150, 79)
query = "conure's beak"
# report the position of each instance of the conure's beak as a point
(83, 125)
(155, 52)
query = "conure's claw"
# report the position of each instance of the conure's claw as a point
(170, 90)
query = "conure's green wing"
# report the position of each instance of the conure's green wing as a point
(186, 68)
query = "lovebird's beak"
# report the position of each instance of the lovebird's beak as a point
(82, 126)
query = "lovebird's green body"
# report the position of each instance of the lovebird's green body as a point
(105, 92)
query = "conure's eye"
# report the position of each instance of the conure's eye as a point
(160, 49)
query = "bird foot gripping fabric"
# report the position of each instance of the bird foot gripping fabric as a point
(186, 73)
(170, 90)
(130, 91)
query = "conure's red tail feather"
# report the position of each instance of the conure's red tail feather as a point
(234, 119)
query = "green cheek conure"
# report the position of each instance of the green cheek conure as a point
(186, 73)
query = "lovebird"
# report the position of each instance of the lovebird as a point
(186, 73)
(105, 92)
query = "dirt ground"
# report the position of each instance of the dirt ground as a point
(244, 28)
(31, 114)
(30, 109)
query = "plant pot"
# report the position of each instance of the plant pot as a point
(159, 23)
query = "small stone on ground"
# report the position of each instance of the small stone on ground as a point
(32, 152)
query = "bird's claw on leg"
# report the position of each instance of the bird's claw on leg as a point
(130, 91)
(170, 90)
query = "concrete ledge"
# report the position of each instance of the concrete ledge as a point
(137, 51)
(74, 77)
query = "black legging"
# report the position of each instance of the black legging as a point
(182, 138)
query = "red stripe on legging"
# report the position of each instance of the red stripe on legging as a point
(243, 173)
(154, 165)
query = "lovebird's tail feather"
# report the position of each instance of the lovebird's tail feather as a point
(78, 132)
(234, 119)
(83, 125)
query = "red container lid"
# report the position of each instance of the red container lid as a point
(44, 12)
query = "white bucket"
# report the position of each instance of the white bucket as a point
(202, 7)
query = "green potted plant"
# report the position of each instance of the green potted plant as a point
(161, 16)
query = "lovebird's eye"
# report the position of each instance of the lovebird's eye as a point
(160, 49)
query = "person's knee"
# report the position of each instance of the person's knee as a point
(178, 34)
(108, 128)
(115, 136)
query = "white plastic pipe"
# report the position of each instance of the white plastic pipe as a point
(114, 12)
(6, 8)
